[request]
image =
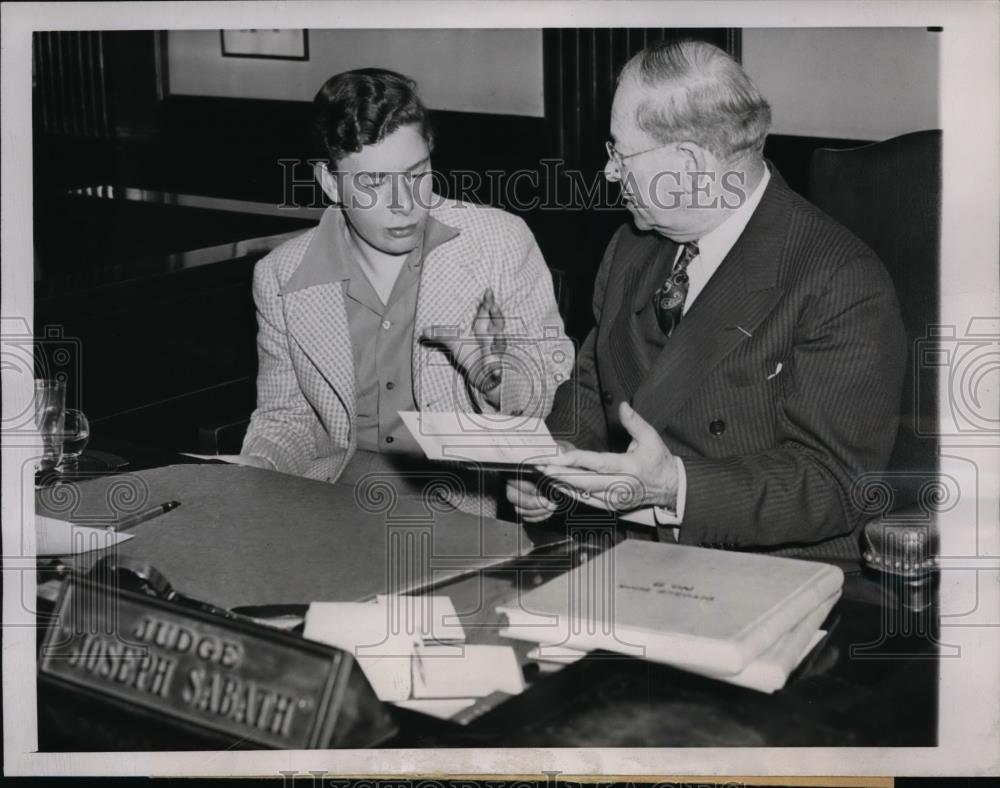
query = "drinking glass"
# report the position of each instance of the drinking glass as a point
(76, 433)
(50, 414)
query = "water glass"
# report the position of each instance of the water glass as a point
(76, 433)
(50, 415)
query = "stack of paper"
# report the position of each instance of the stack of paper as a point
(743, 618)
(413, 652)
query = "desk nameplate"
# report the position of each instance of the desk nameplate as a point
(243, 681)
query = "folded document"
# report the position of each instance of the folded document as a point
(477, 437)
(411, 649)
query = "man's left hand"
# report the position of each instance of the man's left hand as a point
(645, 475)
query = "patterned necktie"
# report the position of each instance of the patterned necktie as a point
(668, 300)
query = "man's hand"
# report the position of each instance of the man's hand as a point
(481, 362)
(530, 504)
(645, 475)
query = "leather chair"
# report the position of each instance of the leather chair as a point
(889, 195)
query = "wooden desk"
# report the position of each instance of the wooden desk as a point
(871, 682)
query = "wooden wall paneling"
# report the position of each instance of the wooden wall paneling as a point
(70, 85)
(581, 66)
(102, 82)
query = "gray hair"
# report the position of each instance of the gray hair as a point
(697, 92)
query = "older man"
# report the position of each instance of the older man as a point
(748, 355)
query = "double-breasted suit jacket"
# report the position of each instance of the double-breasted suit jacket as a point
(304, 422)
(778, 389)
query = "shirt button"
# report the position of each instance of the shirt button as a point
(608, 397)
(390, 385)
(386, 324)
(389, 439)
(717, 427)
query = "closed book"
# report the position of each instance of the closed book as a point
(674, 604)
(769, 672)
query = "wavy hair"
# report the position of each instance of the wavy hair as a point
(364, 106)
(697, 92)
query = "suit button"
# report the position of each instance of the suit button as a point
(390, 385)
(607, 397)
(717, 427)
(389, 439)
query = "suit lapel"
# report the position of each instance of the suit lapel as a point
(317, 321)
(637, 277)
(737, 298)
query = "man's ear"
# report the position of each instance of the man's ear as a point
(328, 181)
(695, 158)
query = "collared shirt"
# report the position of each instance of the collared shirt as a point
(713, 248)
(381, 333)
(715, 245)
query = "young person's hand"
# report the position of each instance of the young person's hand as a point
(481, 361)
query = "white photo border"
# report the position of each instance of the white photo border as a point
(969, 736)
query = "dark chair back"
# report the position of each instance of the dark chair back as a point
(889, 195)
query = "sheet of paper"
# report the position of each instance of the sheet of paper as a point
(385, 636)
(502, 440)
(431, 617)
(60, 537)
(469, 671)
(232, 459)
(363, 630)
(558, 654)
(442, 708)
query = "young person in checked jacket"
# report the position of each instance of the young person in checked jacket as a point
(398, 300)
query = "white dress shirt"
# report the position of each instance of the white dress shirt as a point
(712, 250)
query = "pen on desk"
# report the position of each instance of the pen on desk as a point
(137, 519)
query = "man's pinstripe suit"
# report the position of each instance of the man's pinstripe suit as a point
(770, 459)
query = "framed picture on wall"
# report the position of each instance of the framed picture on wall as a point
(267, 44)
